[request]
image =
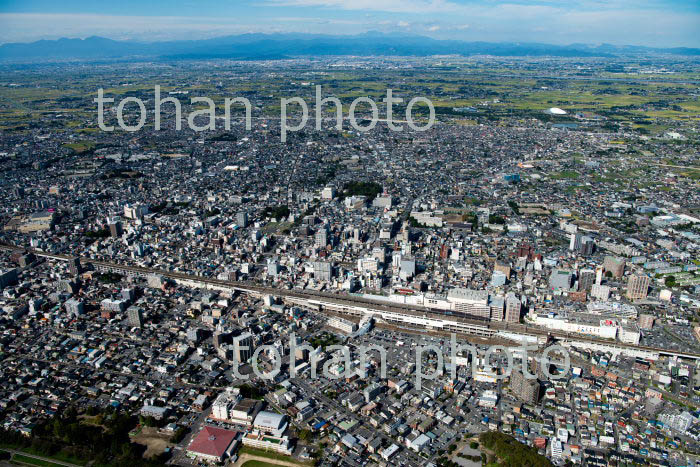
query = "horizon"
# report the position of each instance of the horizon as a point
(397, 35)
(651, 23)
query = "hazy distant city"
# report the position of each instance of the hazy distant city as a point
(294, 249)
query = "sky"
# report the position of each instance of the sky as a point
(657, 23)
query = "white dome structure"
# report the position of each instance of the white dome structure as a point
(556, 111)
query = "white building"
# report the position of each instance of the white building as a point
(343, 325)
(579, 323)
(271, 423)
(488, 399)
(600, 292)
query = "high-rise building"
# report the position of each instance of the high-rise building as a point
(243, 347)
(502, 267)
(74, 266)
(75, 307)
(8, 277)
(638, 286)
(407, 268)
(273, 267)
(586, 279)
(242, 219)
(646, 321)
(560, 279)
(321, 237)
(137, 211)
(129, 294)
(138, 250)
(115, 229)
(614, 265)
(526, 251)
(527, 390)
(444, 249)
(155, 281)
(575, 242)
(134, 317)
(512, 308)
(323, 271)
(599, 275)
(471, 303)
(601, 292)
(581, 243)
(26, 260)
(498, 279)
(587, 246)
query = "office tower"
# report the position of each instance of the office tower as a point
(575, 242)
(137, 211)
(323, 271)
(75, 307)
(560, 280)
(638, 286)
(115, 229)
(8, 277)
(614, 265)
(646, 321)
(26, 260)
(502, 267)
(512, 308)
(128, 294)
(600, 292)
(273, 267)
(527, 390)
(321, 237)
(444, 250)
(498, 279)
(496, 308)
(472, 303)
(587, 246)
(67, 286)
(243, 347)
(599, 275)
(74, 266)
(586, 279)
(407, 268)
(154, 281)
(134, 317)
(242, 219)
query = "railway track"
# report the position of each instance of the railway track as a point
(353, 301)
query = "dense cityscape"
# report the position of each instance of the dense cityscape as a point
(147, 276)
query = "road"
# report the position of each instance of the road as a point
(45, 459)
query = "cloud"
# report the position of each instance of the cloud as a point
(31, 26)
(391, 6)
(587, 21)
(24, 27)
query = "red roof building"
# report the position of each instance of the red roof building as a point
(212, 443)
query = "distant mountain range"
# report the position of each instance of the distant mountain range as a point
(278, 46)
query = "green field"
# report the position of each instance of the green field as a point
(258, 464)
(498, 91)
(269, 455)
